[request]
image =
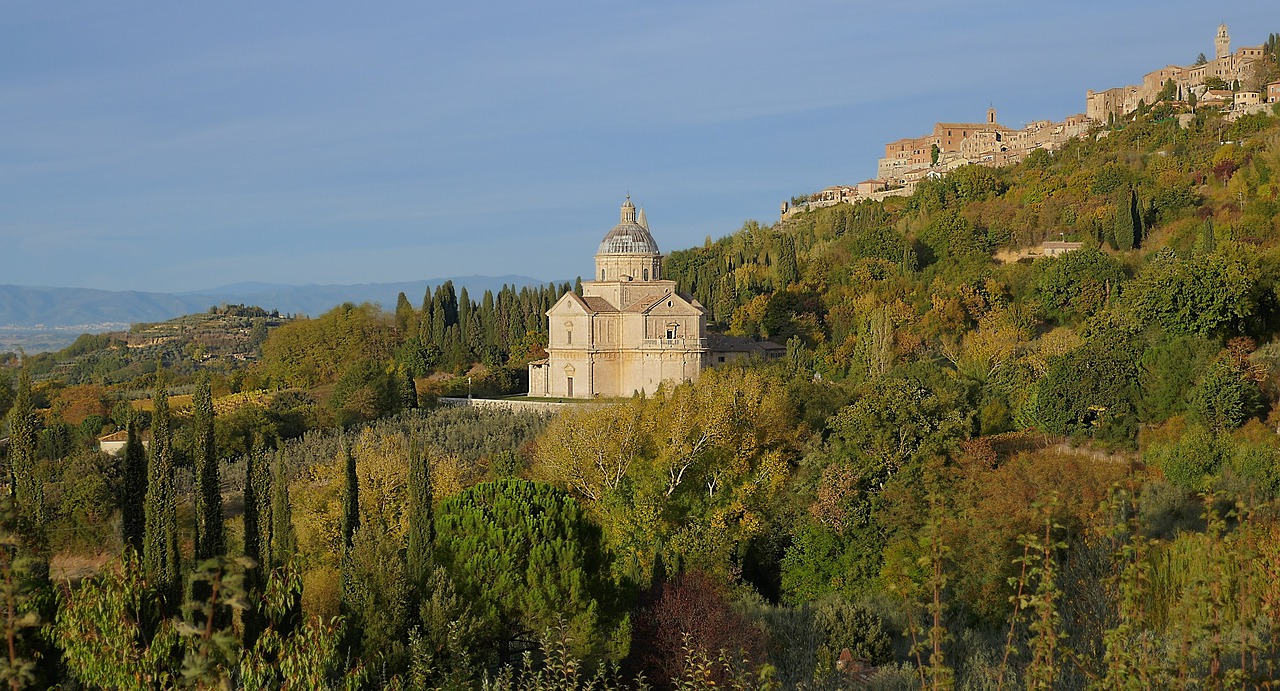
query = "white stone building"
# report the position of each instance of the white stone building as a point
(630, 330)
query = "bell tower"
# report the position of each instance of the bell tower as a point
(1222, 42)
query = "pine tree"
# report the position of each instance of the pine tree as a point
(208, 496)
(133, 501)
(160, 535)
(283, 542)
(421, 521)
(26, 485)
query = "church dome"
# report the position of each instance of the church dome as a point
(630, 236)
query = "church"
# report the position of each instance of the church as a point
(630, 330)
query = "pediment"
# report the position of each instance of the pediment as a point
(675, 304)
(569, 304)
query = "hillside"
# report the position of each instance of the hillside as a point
(1032, 472)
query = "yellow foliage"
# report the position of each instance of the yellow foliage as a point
(322, 593)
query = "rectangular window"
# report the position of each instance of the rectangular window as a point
(568, 387)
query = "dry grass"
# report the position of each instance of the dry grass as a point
(76, 567)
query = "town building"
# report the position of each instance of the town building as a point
(1230, 67)
(630, 330)
(954, 144)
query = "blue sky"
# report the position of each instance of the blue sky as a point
(180, 146)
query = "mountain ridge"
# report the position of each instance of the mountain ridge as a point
(51, 307)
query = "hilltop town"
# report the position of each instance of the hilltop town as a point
(1237, 83)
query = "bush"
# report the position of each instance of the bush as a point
(1189, 463)
(844, 624)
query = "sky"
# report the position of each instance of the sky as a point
(182, 146)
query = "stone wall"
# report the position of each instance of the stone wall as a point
(505, 404)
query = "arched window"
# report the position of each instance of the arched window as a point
(601, 274)
(646, 274)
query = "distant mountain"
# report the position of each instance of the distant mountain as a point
(316, 299)
(55, 307)
(24, 308)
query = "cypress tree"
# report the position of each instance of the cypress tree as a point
(25, 485)
(262, 497)
(350, 500)
(421, 521)
(160, 534)
(254, 484)
(408, 390)
(1208, 240)
(464, 317)
(438, 325)
(1125, 231)
(405, 317)
(350, 525)
(787, 268)
(208, 500)
(449, 303)
(1139, 218)
(133, 519)
(283, 542)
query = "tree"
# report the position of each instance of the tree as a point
(408, 390)
(350, 498)
(1127, 223)
(160, 540)
(209, 540)
(933, 154)
(1092, 389)
(527, 557)
(421, 521)
(366, 390)
(1224, 397)
(406, 318)
(1210, 294)
(1208, 240)
(133, 497)
(1201, 59)
(693, 613)
(257, 514)
(28, 487)
(1169, 370)
(19, 612)
(283, 542)
(788, 271)
(898, 420)
(1076, 285)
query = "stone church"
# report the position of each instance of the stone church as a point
(630, 330)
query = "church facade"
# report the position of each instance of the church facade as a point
(630, 330)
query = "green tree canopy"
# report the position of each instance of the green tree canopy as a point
(526, 555)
